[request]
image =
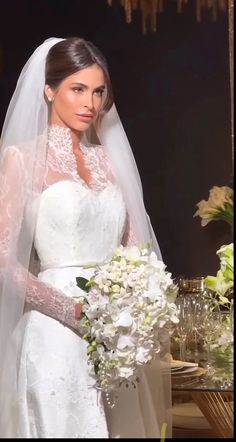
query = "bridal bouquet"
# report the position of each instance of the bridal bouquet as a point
(125, 307)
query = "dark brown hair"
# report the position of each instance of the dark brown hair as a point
(70, 56)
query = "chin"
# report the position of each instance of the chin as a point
(81, 127)
(78, 127)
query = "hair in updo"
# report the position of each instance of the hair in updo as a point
(72, 55)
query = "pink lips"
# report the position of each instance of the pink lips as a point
(85, 117)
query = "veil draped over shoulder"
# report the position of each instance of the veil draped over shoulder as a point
(23, 154)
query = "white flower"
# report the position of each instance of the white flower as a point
(132, 253)
(124, 320)
(125, 372)
(224, 278)
(154, 261)
(130, 301)
(153, 294)
(219, 196)
(218, 206)
(143, 354)
(125, 341)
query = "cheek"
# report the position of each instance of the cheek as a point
(67, 103)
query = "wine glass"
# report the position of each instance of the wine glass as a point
(208, 326)
(184, 326)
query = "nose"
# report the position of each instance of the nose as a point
(89, 101)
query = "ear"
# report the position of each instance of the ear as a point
(48, 92)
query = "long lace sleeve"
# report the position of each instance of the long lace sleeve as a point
(129, 238)
(13, 193)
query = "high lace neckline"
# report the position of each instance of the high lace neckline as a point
(65, 136)
(62, 160)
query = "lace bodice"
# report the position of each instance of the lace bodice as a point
(88, 220)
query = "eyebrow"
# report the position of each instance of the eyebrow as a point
(85, 86)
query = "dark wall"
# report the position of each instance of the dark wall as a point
(172, 93)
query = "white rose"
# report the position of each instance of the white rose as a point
(125, 372)
(132, 253)
(143, 355)
(125, 341)
(124, 320)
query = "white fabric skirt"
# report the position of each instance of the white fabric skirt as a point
(57, 394)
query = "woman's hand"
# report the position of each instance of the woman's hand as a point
(78, 310)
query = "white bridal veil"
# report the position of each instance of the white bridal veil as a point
(25, 126)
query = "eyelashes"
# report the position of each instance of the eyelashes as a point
(80, 90)
(99, 92)
(77, 89)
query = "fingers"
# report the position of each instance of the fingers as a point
(78, 310)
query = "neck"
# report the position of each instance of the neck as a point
(76, 139)
(75, 136)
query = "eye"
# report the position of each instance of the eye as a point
(77, 89)
(99, 92)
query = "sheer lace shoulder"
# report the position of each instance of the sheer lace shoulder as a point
(14, 192)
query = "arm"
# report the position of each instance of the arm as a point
(13, 193)
(129, 238)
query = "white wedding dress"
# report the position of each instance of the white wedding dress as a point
(77, 227)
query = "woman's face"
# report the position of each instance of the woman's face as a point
(78, 99)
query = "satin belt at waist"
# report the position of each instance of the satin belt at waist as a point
(70, 265)
(64, 278)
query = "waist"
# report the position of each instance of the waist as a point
(64, 278)
(71, 265)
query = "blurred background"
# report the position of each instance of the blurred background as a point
(172, 91)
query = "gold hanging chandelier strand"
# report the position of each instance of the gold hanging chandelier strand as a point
(180, 4)
(213, 5)
(151, 8)
(214, 11)
(135, 4)
(128, 9)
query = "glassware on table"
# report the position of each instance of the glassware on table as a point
(192, 293)
(208, 323)
(185, 323)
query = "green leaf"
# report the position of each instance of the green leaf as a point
(82, 283)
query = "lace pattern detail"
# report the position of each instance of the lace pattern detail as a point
(129, 237)
(51, 302)
(5, 241)
(60, 157)
(11, 198)
(4, 187)
(61, 160)
(96, 162)
(12, 203)
(62, 403)
(61, 163)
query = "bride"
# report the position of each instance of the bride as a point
(66, 204)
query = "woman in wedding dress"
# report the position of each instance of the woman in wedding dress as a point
(66, 204)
